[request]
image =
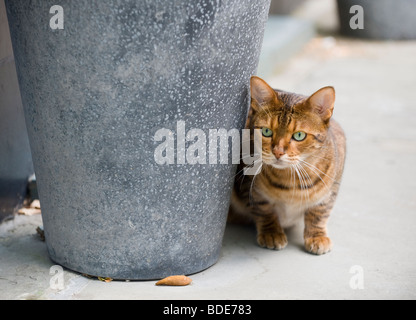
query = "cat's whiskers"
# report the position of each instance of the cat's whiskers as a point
(305, 184)
(306, 174)
(306, 179)
(252, 183)
(319, 176)
(254, 164)
(292, 176)
(242, 170)
(311, 166)
(300, 181)
(250, 155)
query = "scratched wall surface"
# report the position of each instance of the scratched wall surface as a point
(95, 94)
(15, 157)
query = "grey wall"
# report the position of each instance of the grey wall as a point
(15, 158)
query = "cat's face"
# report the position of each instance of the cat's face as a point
(293, 127)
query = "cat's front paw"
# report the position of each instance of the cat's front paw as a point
(318, 245)
(274, 241)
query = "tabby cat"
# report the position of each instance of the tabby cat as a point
(303, 154)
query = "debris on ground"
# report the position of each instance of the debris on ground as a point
(41, 233)
(30, 210)
(176, 281)
(35, 204)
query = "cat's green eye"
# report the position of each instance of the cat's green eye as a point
(267, 132)
(299, 136)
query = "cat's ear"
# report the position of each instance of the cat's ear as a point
(322, 102)
(261, 93)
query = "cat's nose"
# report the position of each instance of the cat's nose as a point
(278, 152)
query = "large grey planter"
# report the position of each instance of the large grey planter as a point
(383, 19)
(95, 94)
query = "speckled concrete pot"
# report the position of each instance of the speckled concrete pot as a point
(96, 92)
(383, 19)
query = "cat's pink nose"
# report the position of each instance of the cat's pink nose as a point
(278, 152)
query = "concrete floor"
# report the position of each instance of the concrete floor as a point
(372, 225)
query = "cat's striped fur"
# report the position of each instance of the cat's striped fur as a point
(297, 179)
